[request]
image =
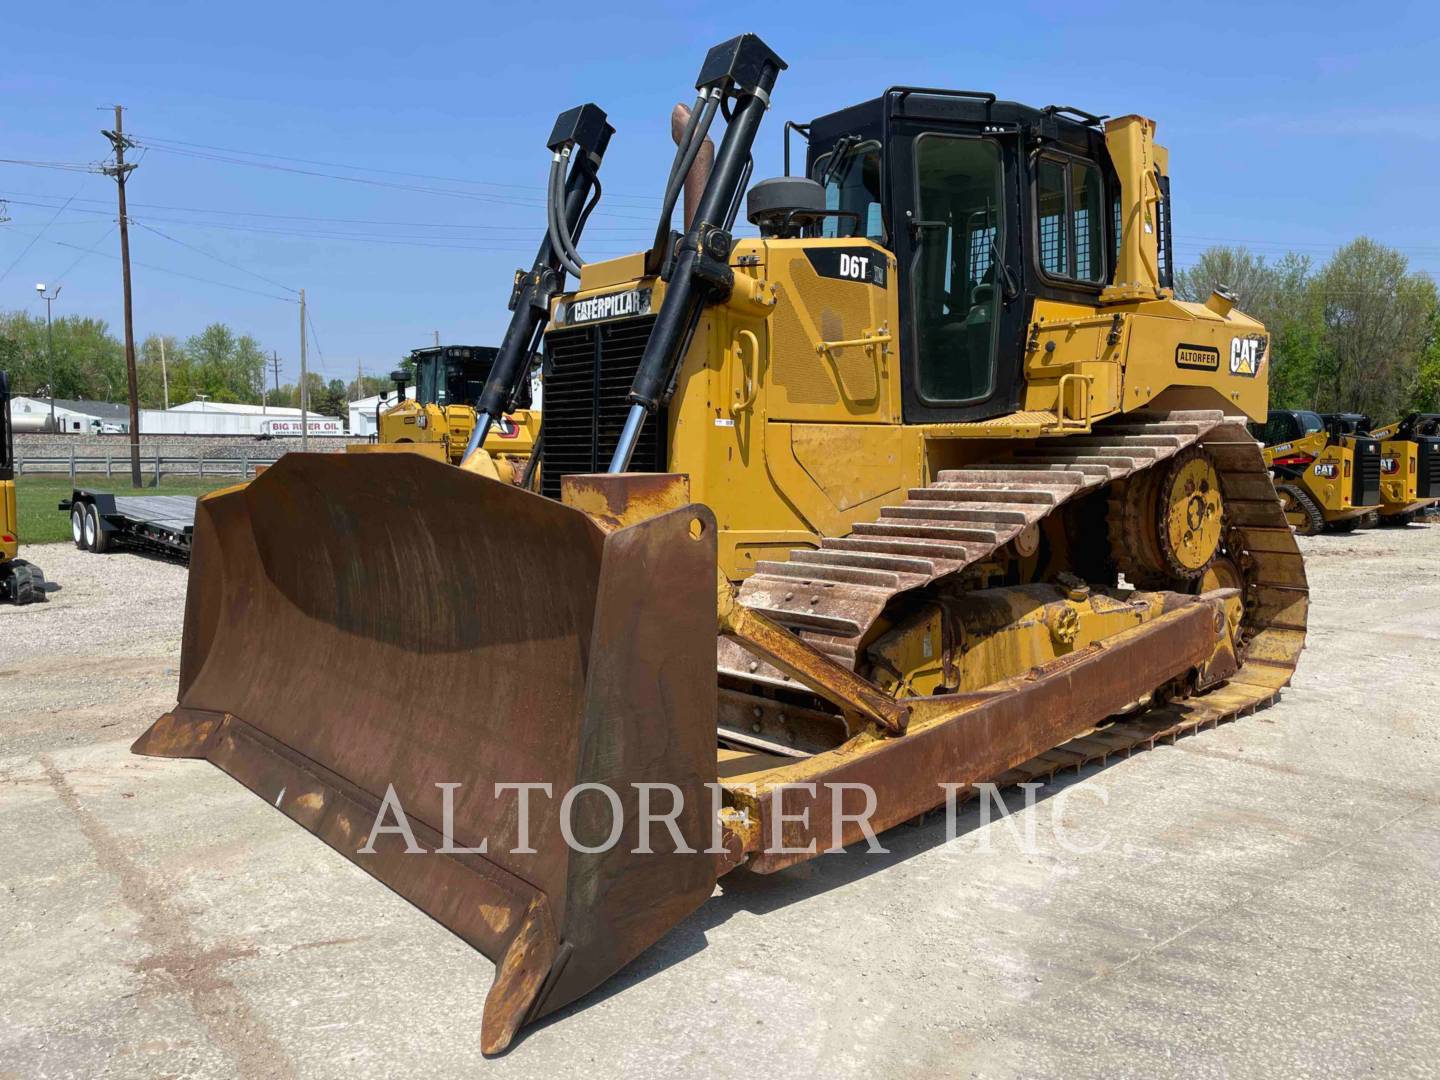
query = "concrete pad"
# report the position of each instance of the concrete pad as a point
(1257, 900)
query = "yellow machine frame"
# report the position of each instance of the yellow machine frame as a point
(788, 415)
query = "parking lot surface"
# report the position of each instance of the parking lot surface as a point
(1257, 900)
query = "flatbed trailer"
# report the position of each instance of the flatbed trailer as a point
(100, 520)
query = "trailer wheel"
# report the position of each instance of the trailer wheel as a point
(77, 524)
(96, 538)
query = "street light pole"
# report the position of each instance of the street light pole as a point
(48, 297)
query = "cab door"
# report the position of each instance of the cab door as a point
(957, 235)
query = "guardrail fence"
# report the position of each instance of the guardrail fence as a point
(155, 466)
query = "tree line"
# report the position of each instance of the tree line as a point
(1359, 332)
(89, 363)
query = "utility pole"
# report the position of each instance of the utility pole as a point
(120, 171)
(48, 297)
(275, 366)
(437, 339)
(164, 374)
(304, 390)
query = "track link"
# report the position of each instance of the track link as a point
(832, 596)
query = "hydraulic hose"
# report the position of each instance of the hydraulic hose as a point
(552, 198)
(567, 240)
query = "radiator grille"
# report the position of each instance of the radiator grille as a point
(588, 371)
(1366, 491)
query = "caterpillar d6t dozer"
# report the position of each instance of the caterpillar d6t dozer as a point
(830, 517)
(1326, 469)
(1409, 467)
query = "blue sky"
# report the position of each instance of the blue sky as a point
(1289, 125)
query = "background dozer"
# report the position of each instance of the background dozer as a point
(830, 517)
(439, 418)
(1409, 467)
(1326, 468)
(20, 582)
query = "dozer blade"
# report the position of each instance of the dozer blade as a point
(361, 629)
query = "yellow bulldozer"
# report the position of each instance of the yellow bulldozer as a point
(1326, 468)
(439, 419)
(928, 483)
(20, 582)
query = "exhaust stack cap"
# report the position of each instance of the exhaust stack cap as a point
(1222, 300)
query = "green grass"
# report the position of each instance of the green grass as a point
(38, 498)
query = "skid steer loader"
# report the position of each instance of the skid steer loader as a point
(1409, 467)
(438, 420)
(1326, 468)
(831, 526)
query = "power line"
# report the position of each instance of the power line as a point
(517, 242)
(315, 338)
(66, 166)
(177, 273)
(35, 239)
(208, 255)
(150, 140)
(445, 192)
(85, 254)
(19, 196)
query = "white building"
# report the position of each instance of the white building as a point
(229, 418)
(71, 417)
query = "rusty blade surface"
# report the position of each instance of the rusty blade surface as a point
(357, 623)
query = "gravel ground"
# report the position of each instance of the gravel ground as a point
(1263, 902)
(101, 655)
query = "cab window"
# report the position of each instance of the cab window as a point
(960, 233)
(427, 388)
(1070, 219)
(852, 185)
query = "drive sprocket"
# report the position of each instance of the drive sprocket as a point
(1166, 523)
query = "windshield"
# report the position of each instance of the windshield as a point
(464, 380)
(460, 384)
(426, 369)
(852, 185)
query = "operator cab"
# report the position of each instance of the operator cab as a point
(1347, 423)
(1424, 425)
(987, 206)
(455, 374)
(1287, 425)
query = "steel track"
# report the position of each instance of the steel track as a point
(832, 596)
